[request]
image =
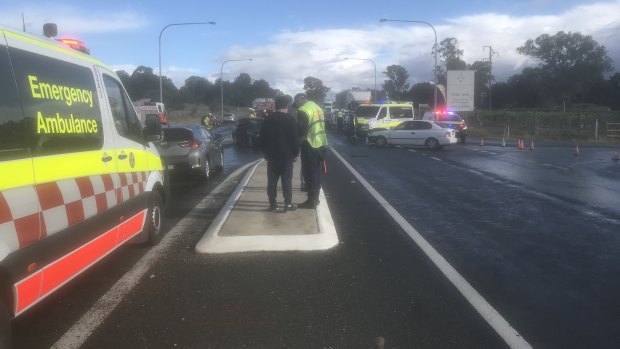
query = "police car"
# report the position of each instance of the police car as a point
(79, 177)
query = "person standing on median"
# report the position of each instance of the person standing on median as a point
(314, 140)
(280, 147)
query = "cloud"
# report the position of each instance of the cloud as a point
(71, 19)
(291, 56)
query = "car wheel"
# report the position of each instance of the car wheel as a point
(154, 218)
(381, 142)
(220, 167)
(432, 144)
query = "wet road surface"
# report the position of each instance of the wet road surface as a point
(535, 232)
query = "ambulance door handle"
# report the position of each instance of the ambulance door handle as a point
(122, 156)
(106, 158)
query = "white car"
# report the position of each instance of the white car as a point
(431, 134)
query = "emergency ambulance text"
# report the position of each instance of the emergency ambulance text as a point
(60, 125)
(67, 94)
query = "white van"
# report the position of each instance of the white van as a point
(80, 176)
(373, 116)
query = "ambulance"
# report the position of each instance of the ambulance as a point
(385, 115)
(79, 175)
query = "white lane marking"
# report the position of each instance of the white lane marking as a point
(212, 242)
(96, 315)
(476, 172)
(488, 313)
(413, 151)
(434, 158)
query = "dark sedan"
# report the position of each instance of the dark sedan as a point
(247, 131)
(191, 148)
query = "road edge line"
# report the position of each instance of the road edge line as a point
(82, 329)
(508, 333)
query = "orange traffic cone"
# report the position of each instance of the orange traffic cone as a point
(481, 142)
(518, 144)
(576, 150)
(521, 144)
(532, 145)
(616, 157)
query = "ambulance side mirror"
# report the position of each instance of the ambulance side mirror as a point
(152, 128)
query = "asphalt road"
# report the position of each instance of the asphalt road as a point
(535, 232)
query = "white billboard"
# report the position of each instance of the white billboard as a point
(461, 90)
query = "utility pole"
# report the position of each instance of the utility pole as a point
(490, 59)
(23, 23)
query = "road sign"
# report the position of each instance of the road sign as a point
(461, 90)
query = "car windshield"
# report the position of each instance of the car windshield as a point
(177, 134)
(401, 112)
(449, 117)
(366, 111)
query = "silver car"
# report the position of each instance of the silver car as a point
(191, 148)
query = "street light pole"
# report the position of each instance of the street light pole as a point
(161, 93)
(222, 80)
(375, 65)
(434, 47)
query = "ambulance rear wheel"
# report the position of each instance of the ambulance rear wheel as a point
(5, 326)
(154, 218)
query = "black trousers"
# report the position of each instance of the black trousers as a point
(311, 160)
(277, 169)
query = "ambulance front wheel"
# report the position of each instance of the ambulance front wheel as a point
(154, 218)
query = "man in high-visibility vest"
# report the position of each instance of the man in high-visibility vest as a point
(311, 123)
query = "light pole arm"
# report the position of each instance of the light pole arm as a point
(434, 47)
(222, 81)
(161, 92)
(375, 65)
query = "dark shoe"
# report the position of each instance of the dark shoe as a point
(308, 204)
(273, 207)
(290, 207)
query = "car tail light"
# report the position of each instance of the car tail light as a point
(190, 144)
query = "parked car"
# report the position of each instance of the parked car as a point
(452, 119)
(247, 131)
(229, 117)
(431, 134)
(191, 148)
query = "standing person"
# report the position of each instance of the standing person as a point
(281, 148)
(312, 129)
(207, 120)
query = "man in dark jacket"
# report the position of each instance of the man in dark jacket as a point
(280, 147)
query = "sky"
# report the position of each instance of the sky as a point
(288, 41)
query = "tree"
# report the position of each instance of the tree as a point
(451, 58)
(315, 90)
(482, 77)
(570, 63)
(422, 93)
(397, 84)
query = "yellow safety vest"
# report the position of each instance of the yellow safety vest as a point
(316, 125)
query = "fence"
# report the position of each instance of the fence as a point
(545, 124)
(613, 129)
